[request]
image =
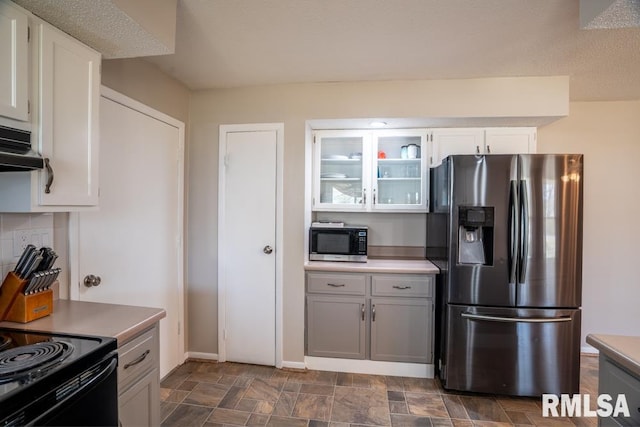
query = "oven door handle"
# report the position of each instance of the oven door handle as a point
(516, 319)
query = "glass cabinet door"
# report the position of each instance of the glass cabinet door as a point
(400, 181)
(341, 170)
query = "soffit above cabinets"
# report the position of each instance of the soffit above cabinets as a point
(115, 28)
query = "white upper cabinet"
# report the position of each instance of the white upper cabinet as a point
(518, 140)
(69, 74)
(400, 171)
(455, 141)
(14, 70)
(510, 140)
(361, 170)
(65, 92)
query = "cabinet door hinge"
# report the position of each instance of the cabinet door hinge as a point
(28, 34)
(28, 106)
(179, 328)
(314, 201)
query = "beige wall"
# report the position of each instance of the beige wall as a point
(608, 133)
(294, 105)
(144, 82)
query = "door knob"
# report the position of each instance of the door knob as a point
(267, 249)
(91, 280)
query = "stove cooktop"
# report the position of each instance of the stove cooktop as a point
(32, 363)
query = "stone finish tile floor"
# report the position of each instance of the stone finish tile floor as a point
(209, 394)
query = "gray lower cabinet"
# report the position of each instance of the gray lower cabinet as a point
(615, 380)
(139, 380)
(336, 326)
(385, 317)
(401, 330)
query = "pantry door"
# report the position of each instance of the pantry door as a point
(133, 242)
(249, 242)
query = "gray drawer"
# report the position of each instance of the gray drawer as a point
(402, 285)
(336, 283)
(137, 357)
(614, 381)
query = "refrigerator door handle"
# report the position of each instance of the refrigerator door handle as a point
(516, 319)
(524, 231)
(513, 231)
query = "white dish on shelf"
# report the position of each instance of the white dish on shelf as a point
(337, 157)
(333, 175)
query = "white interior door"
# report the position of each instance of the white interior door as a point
(248, 248)
(134, 242)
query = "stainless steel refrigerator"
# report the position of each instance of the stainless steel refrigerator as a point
(511, 282)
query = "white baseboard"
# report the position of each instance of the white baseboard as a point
(293, 365)
(202, 356)
(587, 349)
(373, 367)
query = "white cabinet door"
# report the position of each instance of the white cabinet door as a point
(455, 141)
(69, 94)
(521, 140)
(364, 170)
(14, 73)
(400, 175)
(341, 170)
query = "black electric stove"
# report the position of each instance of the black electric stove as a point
(57, 379)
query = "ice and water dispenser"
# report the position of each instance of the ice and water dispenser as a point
(475, 235)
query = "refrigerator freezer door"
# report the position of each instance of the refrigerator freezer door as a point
(550, 203)
(481, 181)
(522, 352)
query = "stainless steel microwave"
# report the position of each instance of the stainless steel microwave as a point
(338, 244)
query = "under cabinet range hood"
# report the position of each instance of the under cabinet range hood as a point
(16, 154)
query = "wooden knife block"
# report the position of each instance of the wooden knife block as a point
(18, 307)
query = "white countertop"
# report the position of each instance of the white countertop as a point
(122, 322)
(421, 266)
(625, 350)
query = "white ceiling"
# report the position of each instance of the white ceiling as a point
(222, 43)
(231, 43)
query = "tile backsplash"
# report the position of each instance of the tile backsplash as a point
(37, 229)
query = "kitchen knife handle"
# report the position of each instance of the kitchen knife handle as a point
(47, 165)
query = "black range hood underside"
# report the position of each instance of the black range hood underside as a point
(16, 154)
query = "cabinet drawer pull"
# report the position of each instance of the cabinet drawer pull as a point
(138, 360)
(342, 285)
(373, 313)
(401, 287)
(47, 165)
(362, 311)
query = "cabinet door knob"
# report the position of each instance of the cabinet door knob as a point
(267, 249)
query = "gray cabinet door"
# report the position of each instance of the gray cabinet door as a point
(140, 404)
(401, 330)
(336, 326)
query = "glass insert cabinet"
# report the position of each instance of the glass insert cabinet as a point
(365, 170)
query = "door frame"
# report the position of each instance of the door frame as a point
(74, 219)
(253, 127)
